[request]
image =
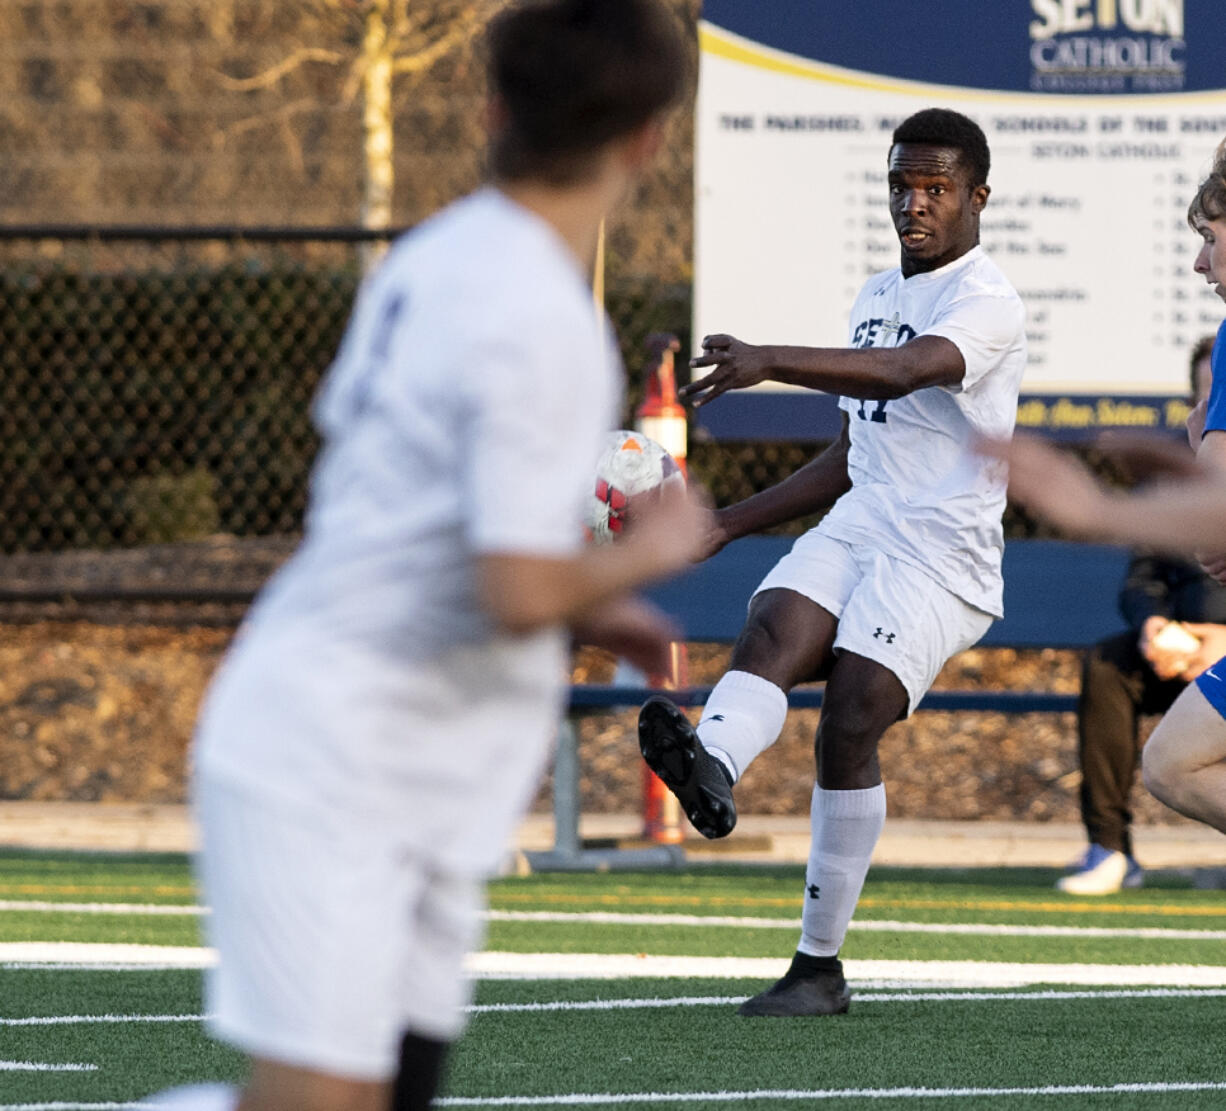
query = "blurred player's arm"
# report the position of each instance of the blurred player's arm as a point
(872, 373)
(589, 592)
(815, 486)
(1183, 516)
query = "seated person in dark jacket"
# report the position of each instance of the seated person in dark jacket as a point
(1177, 619)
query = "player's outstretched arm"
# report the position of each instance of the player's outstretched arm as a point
(873, 373)
(815, 486)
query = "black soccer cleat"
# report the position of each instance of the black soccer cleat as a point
(673, 751)
(801, 994)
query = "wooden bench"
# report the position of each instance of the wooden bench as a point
(1058, 594)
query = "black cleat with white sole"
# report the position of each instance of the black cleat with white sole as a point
(804, 991)
(673, 751)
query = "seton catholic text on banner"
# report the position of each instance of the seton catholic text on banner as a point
(1102, 117)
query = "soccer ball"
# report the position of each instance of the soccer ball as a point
(630, 467)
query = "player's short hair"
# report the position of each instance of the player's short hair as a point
(943, 127)
(1201, 349)
(1209, 203)
(574, 75)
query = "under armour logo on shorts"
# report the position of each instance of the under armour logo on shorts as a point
(813, 891)
(889, 637)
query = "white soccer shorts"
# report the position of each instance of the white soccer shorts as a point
(333, 941)
(888, 610)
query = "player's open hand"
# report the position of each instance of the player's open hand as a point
(737, 365)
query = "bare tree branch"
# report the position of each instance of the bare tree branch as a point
(278, 116)
(467, 24)
(287, 65)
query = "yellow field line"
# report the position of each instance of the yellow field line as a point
(1046, 907)
(89, 889)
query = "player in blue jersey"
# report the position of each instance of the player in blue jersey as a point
(903, 571)
(1184, 762)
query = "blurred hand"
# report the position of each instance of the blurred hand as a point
(1167, 661)
(1212, 647)
(672, 529)
(1214, 566)
(737, 365)
(632, 629)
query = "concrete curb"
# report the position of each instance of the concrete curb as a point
(116, 827)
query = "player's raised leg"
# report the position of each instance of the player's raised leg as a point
(786, 640)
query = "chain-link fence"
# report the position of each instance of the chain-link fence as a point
(155, 386)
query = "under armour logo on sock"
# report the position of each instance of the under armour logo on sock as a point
(813, 891)
(889, 637)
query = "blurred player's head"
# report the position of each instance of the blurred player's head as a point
(938, 174)
(1209, 203)
(571, 77)
(1207, 215)
(1200, 369)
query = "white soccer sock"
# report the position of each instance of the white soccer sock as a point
(845, 827)
(197, 1097)
(743, 716)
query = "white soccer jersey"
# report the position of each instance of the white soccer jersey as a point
(920, 491)
(463, 415)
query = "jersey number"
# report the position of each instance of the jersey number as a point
(380, 348)
(878, 414)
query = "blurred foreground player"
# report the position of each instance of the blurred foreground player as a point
(379, 726)
(904, 570)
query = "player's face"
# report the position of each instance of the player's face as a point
(1211, 258)
(934, 205)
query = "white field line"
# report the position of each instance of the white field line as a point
(71, 954)
(654, 1099)
(867, 973)
(61, 1106)
(606, 918)
(42, 1066)
(661, 1002)
(595, 966)
(103, 908)
(871, 925)
(84, 1020)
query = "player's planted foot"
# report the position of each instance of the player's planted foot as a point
(811, 986)
(673, 751)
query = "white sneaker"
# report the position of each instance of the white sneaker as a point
(1102, 872)
(196, 1097)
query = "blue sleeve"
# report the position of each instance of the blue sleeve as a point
(1215, 418)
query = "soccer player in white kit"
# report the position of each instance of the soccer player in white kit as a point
(379, 726)
(905, 568)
